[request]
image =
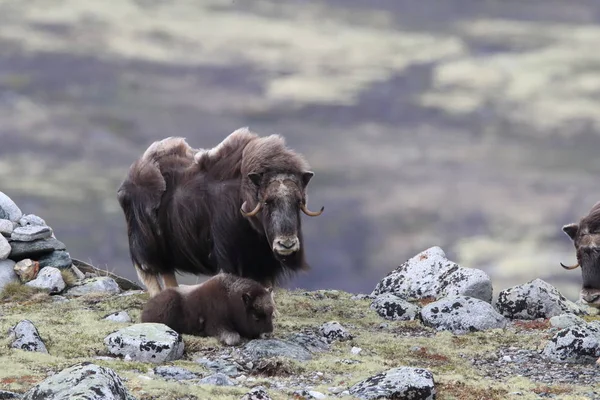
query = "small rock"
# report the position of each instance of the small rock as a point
(5, 395)
(174, 373)
(6, 227)
(355, 350)
(103, 284)
(394, 308)
(30, 233)
(257, 393)
(333, 330)
(120, 316)
(27, 269)
(308, 394)
(462, 314)
(58, 259)
(5, 248)
(362, 296)
(49, 279)
(397, 383)
(146, 342)
(7, 273)
(565, 321)
(8, 209)
(80, 275)
(316, 395)
(533, 300)
(26, 337)
(82, 381)
(576, 344)
(34, 249)
(312, 343)
(507, 359)
(217, 380)
(430, 274)
(335, 390)
(60, 299)
(31, 220)
(220, 366)
(266, 348)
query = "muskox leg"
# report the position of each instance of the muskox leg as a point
(169, 280)
(149, 280)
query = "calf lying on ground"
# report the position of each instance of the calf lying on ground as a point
(226, 306)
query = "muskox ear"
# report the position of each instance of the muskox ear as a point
(255, 178)
(246, 299)
(306, 177)
(571, 230)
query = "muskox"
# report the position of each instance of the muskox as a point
(226, 307)
(233, 208)
(586, 239)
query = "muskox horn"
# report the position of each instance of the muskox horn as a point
(311, 213)
(569, 267)
(251, 213)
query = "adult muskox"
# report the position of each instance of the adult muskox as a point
(234, 208)
(586, 238)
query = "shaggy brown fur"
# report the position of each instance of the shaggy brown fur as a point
(182, 208)
(225, 306)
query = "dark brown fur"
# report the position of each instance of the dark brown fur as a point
(182, 208)
(225, 306)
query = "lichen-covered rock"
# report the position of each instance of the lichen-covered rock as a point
(30, 233)
(120, 316)
(5, 248)
(257, 349)
(430, 274)
(576, 344)
(394, 308)
(174, 373)
(31, 220)
(6, 227)
(27, 269)
(462, 314)
(25, 336)
(8, 209)
(6, 395)
(565, 321)
(257, 393)
(333, 330)
(217, 379)
(146, 342)
(82, 381)
(397, 383)
(34, 249)
(220, 366)
(7, 273)
(49, 279)
(60, 259)
(311, 342)
(533, 300)
(103, 284)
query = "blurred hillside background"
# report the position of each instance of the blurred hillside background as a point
(472, 125)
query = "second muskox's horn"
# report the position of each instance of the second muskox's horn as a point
(311, 213)
(251, 213)
(569, 266)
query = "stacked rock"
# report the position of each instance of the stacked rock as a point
(27, 244)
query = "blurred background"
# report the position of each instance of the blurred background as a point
(472, 125)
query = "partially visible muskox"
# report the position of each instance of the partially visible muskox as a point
(226, 307)
(234, 208)
(586, 239)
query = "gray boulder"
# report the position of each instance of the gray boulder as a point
(462, 314)
(397, 383)
(81, 381)
(394, 308)
(576, 344)
(30, 233)
(6, 395)
(217, 379)
(533, 300)
(34, 249)
(8, 209)
(4, 248)
(25, 336)
(146, 342)
(31, 220)
(220, 366)
(49, 279)
(565, 321)
(120, 316)
(174, 373)
(103, 284)
(257, 393)
(430, 274)
(58, 259)
(257, 349)
(313, 343)
(6, 227)
(7, 273)
(333, 330)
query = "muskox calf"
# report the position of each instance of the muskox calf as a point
(586, 238)
(226, 306)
